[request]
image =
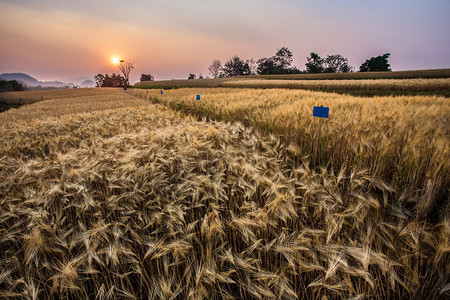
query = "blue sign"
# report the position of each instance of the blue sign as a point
(21, 99)
(162, 92)
(198, 97)
(124, 89)
(321, 112)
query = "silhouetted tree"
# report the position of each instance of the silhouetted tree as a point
(266, 66)
(280, 63)
(192, 76)
(215, 68)
(314, 64)
(115, 80)
(235, 67)
(336, 64)
(125, 67)
(283, 58)
(376, 64)
(11, 85)
(147, 77)
(200, 76)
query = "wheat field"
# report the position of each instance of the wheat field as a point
(118, 197)
(432, 73)
(409, 85)
(29, 97)
(401, 140)
(433, 82)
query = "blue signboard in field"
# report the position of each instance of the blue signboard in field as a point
(321, 112)
(198, 97)
(124, 89)
(162, 92)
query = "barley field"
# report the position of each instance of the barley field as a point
(355, 86)
(433, 73)
(137, 195)
(409, 85)
(402, 140)
(183, 83)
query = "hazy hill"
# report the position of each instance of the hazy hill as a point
(33, 82)
(88, 83)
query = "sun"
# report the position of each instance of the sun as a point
(116, 60)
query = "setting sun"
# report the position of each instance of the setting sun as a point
(116, 60)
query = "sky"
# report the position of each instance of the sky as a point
(63, 40)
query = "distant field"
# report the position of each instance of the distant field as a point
(425, 82)
(29, 97)
(182, 83)
(137, 195)
(436, 86)
(436, 73)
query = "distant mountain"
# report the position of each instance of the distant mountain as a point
(24, 78)
(33, 82)
(88, 83)
(78, 80)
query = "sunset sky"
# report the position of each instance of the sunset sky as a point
(61, 40)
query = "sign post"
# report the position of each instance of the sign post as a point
(197, 97)
(320, 112)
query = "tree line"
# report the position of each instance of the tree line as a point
(281, 63)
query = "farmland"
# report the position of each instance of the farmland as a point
(347, 85)
(376, 87)
(113, 194)
(434, 73)
(399, 139)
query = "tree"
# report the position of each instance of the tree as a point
(336, 64)
(376, 64)
(283, 58)
(280, 63)
(11, 85)
(125, 67)
(200, 76)
(252, 66)
(314, 64)
(192, 76)
(110, 81)
(215, 68)
(235, 67)
(147, 77)
(266, 66)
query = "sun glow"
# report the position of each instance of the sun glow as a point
(116, 60)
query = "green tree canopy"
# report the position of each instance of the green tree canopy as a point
(376, 64)
(280, 63)
(314, 64)
(235, 67)
(336, 64)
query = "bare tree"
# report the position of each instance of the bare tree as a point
(125, 67)
(253, 66)
(215, 68)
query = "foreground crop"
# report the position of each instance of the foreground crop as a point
(141, 202)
